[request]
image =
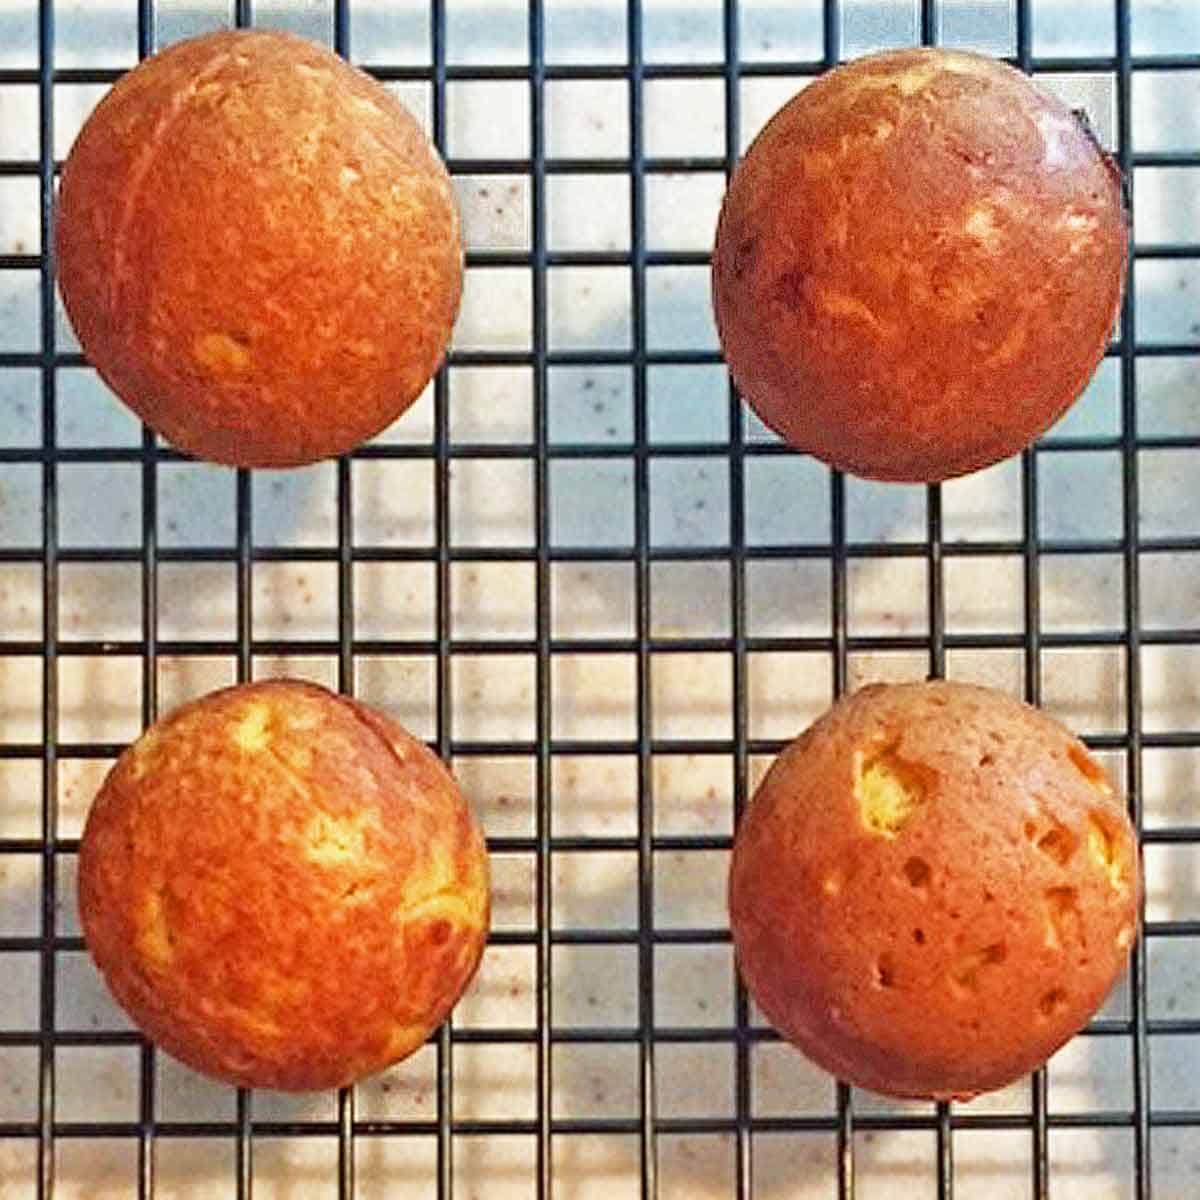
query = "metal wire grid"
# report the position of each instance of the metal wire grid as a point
(838, 552)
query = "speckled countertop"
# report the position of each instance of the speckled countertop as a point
(1084, 667)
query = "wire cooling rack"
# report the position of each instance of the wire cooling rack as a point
(664, 542)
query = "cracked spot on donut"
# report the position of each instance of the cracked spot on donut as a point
(330, 841)
(222, 353)
(914, 79)
(1090, 769)
(442, 907)
(809, 299)
(1105, 852)
(889, 790)
(154, 939)
(438, 894)
(966, 973)
(1063, 921)
(839, 304)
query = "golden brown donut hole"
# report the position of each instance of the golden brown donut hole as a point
(282, 887)
(918, 265)
(259, 249)
(934, 887)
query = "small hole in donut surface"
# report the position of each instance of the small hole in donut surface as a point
(965, 974)
(889, 790)
(1063, 922)
(916, 871)
(885, 971)
(1058, 844)
(1052, 1002)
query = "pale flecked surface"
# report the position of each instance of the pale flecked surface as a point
(1080, 496)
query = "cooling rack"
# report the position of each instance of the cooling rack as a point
(607, 596)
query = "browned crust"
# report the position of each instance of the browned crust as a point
(295, 914)
(258, 248)
(866, 963)
(913, 286)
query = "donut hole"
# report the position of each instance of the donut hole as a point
(889, 790)
(965, 974)
(917, 872)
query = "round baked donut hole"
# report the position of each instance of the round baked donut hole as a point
(282, 887)
(259, 249)
(918, 265)
(920, 925)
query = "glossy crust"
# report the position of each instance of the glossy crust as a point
(282, 887)
(918, 265)
(259, 249)
(953, 951)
